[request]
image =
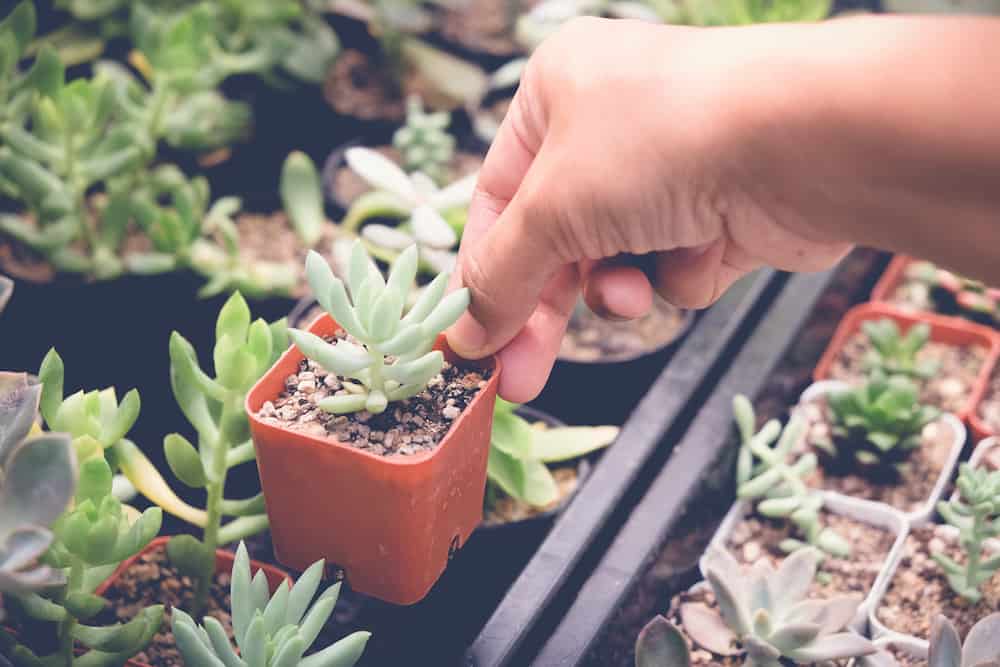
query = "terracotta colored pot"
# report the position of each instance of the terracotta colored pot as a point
(223, 563)
(949, 330)
(980, 430)
(391, 522)
(891, 278)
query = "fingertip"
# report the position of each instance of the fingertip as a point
(468, 338)
(618, 292)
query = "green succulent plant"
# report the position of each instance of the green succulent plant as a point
(976, 515)
(270, 630)
(877, 425)
(763, 615)
(424, 141)
(981, 648)
(373, 316)
(775, 478)
(952, 293)
(745, 12)
(91, 540)
(894, 353)
(37, 483)
(519, 454)
(215, 408)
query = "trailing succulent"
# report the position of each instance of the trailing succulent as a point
(877, 425)
(776, 480)
(270, 630)
(215, 408)
(424, 141)
(373, 316)
(763, 615)
(976, 515)
(519, 454)
(37, 482)
(894, 353)
(431, 217)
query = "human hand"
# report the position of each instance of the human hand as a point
(623, 138)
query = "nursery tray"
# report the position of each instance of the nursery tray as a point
(555, 612)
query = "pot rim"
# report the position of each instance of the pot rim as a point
(928, 508)
(687, 322)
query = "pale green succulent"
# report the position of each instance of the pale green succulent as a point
(373, 316)
(895, 353)
(981, 648)
(37, 481)
(270, 631)
(775, 478)
(424, 141)
(976, 515)
(763, 615)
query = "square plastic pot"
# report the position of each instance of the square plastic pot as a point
(878, 630)
(223, 563)
(948, 330)
(927, 509)
(392, 523)
(864, 511)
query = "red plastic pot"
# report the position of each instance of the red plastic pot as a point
(891, 278)
(223, 563)
(949, 330)
(391, 523)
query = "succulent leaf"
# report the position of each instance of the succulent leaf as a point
(661, 644)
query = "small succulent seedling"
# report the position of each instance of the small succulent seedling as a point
(215, 408)
(771, 476)
(270, 631)
(373, 316)
(424, 141)
(981, 648)
(413, 198)
(976, 515)
(37, 482)
(876, 426)
(519, 454)
(896, 354)
(763, 614)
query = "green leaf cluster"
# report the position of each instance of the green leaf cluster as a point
(895, 353)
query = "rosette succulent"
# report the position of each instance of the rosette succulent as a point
(429, 215)
(270, 631)
(424, 141)
(894, 353)
(390, 357)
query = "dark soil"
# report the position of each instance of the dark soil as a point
(485, 26)
(949, 388)
(919, 590)
(406, 427)
(348, 186)
(592, 338)
(758, 537)
(509, 510)
(907, 491)
(988, 409)
(152, 580)
(356, 86)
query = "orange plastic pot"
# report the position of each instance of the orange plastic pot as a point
(391, 523)
(223, 563)
(891, 278)
(949, 330)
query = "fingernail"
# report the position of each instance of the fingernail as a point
(467, 337)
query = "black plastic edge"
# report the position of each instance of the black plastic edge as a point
(653, 518)
(663, 408)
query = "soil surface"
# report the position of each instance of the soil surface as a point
(486, 26)
(908, 491)
(919, 590)
(152, 580)
(988, 409)
(509, 510)
(406, 427)
(347, 186)
(591, 338)
(758, 537)
(949, 388)
(271, 238)
(700, 656)
(904, 659)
